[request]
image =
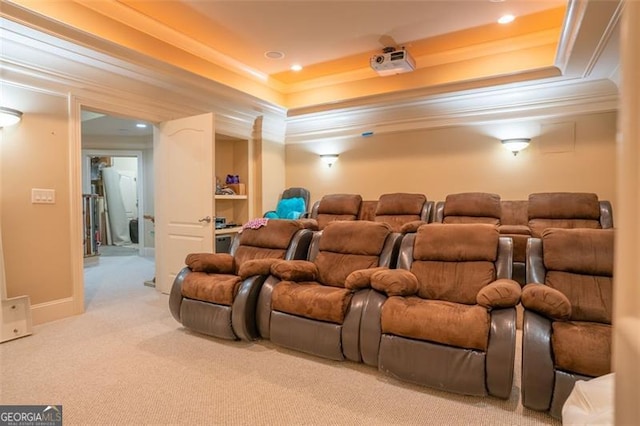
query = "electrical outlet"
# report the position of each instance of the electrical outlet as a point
(43, 196)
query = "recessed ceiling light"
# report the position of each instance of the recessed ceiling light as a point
(296, 67)
(274, 54)
(505, 19)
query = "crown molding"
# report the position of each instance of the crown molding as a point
(532, 102)
(612, 30)
(164, 92)
(588, 28)
(576, 10)
(157, 91)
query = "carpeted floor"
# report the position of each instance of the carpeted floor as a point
(127, 361)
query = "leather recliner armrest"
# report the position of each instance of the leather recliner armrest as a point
(214, 263)
(412, 227)
(546, 301)
(361, 278)
(256, 267)
(502, 293)
(395, 282)
(295, 270)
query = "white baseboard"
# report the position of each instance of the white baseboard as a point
(149, 252)
(53, 310)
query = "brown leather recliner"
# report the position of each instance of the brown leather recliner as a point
(314, 306)
(481, 207)
(446, 317)
(567, 319)
(336, 207)
(398, 209)
(216, 293)
(469, 207)
(567, 210)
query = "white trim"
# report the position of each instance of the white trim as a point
(573, 19)
(612, 27)
(75, 208)
(149, 252)
(588, 28)
(54, 310)
(89, 71)
(552, 99)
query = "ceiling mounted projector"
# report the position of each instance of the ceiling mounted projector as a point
(394, 62)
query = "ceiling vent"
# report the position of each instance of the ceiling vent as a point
(392, 62)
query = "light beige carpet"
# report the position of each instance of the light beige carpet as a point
(127, 361)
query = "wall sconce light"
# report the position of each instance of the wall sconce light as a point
(516, 145)
(329, 159)
(9, 117)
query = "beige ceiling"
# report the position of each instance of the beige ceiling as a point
(454, 42)
(314, 32)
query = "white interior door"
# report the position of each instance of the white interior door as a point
(184, 159)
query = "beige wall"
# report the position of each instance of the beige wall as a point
(437, 162)
(35, 154)
(273, 180)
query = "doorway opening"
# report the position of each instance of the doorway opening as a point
(117, 192)
(114, 193)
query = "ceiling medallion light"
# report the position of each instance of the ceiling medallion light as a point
(273, 54)
(516, 145)
(9, 117)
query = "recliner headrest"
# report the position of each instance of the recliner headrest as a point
(400, 204)
(579, 251)
(354, 237)
(564, 205)
(276, 234)
(473, 204)
(340, 204)
(456, 242)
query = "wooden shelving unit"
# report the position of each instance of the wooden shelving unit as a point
(91, 222)
(231, 197)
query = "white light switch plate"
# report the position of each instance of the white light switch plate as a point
(43, 196)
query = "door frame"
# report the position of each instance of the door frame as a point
(76, 158)
(226, 123)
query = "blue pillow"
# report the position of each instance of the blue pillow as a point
(290, 208)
